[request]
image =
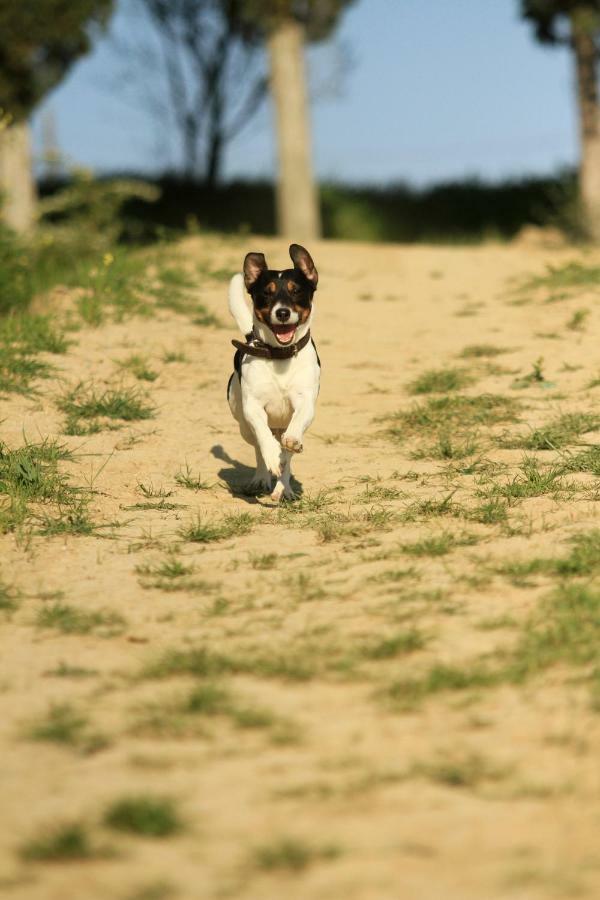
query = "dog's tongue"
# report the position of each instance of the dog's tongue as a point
(284, 333)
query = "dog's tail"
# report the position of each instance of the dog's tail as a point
(238, 305)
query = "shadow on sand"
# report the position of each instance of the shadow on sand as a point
(238, 476)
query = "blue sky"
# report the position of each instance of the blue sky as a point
(431, 90)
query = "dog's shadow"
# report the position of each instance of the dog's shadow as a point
(238, 476)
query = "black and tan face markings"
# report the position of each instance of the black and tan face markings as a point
(291, 287)
(288, 288)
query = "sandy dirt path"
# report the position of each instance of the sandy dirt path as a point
(263, 685)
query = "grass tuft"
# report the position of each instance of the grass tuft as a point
(154, 817)
(84, 404)
(64, 843)
(440, 381)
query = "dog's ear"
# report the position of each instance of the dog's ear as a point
(303, 260)
(254, 265)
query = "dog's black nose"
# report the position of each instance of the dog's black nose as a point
(283, 313)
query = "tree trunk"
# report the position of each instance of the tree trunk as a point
(586, 64)
(297, 199)
(17, 204)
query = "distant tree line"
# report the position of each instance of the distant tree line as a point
(207, 54)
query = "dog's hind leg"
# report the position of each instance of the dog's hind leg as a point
(262, 480)
(283, 487)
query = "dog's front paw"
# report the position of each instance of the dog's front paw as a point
(282, 493)
(291, 443)
(272, 460)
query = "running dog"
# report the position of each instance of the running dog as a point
(274, 387)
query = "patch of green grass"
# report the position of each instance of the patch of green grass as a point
(303, 587)
(433, 507)
(139, 368)
(63, 843)
(447, 447)
(144, 816)
(61, 725)
(569, 275)
(439, 545)
(440, 381)
(8, 598)
(578, 320)
(532, 480)
(477, 351)
(535, 376)
(172, 575)
(263, 561)
(154, 890)
(585, 461)
(376, 493)
(201, 662)
(468, 770)
(66, 670)
(493, 512)
(205, 531)
(564, 630)
(455, 414)
(582, 560)
(22, 338)
(558, 433)
(30, 479)
(70, 620)
(407, 693)
(291, 854)
(186, 479)
(84, 404)
(174, 356)
(149, 491)
(399, 644)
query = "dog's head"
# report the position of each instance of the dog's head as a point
(282, 299)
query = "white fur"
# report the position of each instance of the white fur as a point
(274, 403)
(238, 305)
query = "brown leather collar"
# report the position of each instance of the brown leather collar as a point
(256, 347)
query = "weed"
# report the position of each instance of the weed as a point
(586, 461)
(139, 368)
(61, 725)
(477, 351)
(173, 356)
(440, 381)
(28, 475)
(447, 447)
(205, 531)
(70, 620)
(460, 771)
(65, 670)
(84, 403)
(407, 693)
(263, 561)
(536, 376)
(577, 320)
(8, 598)
(451, 414)
(204, 663)
(193, 482)
(63, 843)
(560, 432)
(570, 275)
(532, 481)
(21, 339)
(149, 491)
(439, 545)
(154, 817)
(399, 644)
(291, 854)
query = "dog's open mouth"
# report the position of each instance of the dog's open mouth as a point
(284, 333)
